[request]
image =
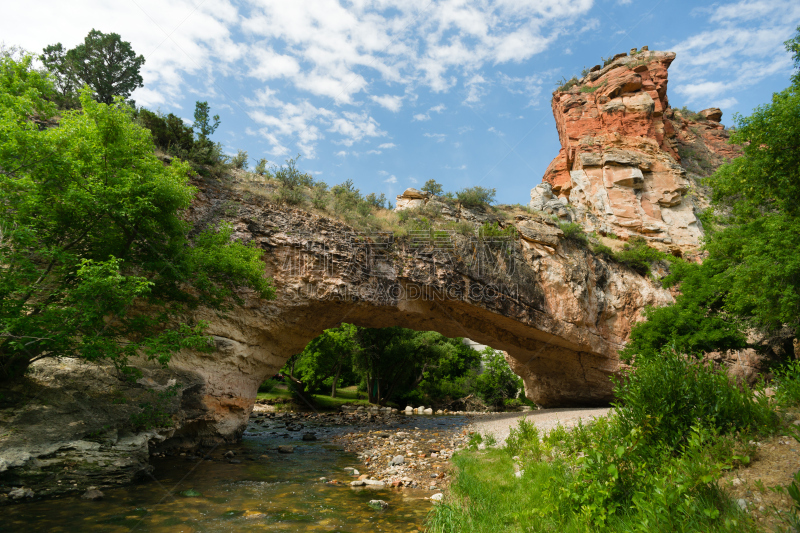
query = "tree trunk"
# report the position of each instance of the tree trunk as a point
(335, 381)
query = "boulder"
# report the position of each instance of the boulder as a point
(285, 448)
(713, 114)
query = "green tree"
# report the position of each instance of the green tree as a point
(751, 276)
(433, 187)
(497, 382)
(204, 126)
(96, 259)
(394, 361)
(327, 356)
(104, 62)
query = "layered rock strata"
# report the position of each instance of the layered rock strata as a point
(619, 168)
(559, 312)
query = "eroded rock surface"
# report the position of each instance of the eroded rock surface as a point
(619, 169)
(560, 313)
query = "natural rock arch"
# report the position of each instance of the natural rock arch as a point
(559, 312)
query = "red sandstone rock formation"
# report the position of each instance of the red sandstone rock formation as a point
(619, 169)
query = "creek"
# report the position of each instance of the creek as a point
(256, 488)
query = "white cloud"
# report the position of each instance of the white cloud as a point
(438, 136)
(744, 46)
(464, 129)
(391, 179)
(375, 152)
(412, 180)
(427, 116)
(462, 167)
(355, 126)
(390, 102)
(494, 130)
(475, 89)
(386, 146)
(340, 153)
(383, 173)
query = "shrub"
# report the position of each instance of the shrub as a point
(376, 201)
(671, 393)
(320, 198)
(239, 160)
(290, 196)
(787, 384)
(433, 187)
(261, 167)
(574, 232)
(476, 196)
(565, 85)
(268, 385)
(637, 255)
(290, 177)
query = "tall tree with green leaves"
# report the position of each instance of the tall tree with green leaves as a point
(751, 276)
(104, 62)
(95, 259)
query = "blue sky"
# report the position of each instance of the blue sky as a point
(391, 93)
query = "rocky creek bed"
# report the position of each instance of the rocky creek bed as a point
(290, 472)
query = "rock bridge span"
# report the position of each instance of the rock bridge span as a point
(559, 313)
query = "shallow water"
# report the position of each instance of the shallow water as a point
(267, 491)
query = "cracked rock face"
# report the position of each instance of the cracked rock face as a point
(559, 313)
(619, 168)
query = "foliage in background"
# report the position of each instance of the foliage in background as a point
(91, 232)
(403, 366)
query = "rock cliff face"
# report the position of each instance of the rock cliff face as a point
(619, 170)
(560, 313)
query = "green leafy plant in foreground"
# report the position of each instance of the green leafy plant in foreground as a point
(651, 465)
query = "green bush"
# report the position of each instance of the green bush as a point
(290, 176)
(239, 160)
(671, 393)
(638, 255)
(268, 385)
(787, 384)
(261, 167)
(433, 187)
(476, 196)
(574, 232)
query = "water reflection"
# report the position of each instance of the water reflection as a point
(257, 489)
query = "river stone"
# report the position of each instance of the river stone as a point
(398, 460)
(357, 483)
(92, 494)
(428, 411)
(437, 497)
(409, 409)
(309, 436)
(19, 493)
(378, 504)
(374, 484)
(285, 448)
(191, 493)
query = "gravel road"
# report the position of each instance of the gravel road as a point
(545, 419)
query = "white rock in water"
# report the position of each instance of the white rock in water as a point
(20, 492)
(374, 483)
(420, 409)
(409, 409)
(428, 411)
(437, 497)
(378, 504)
(357, 483)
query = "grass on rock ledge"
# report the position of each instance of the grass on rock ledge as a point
(652, 465)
